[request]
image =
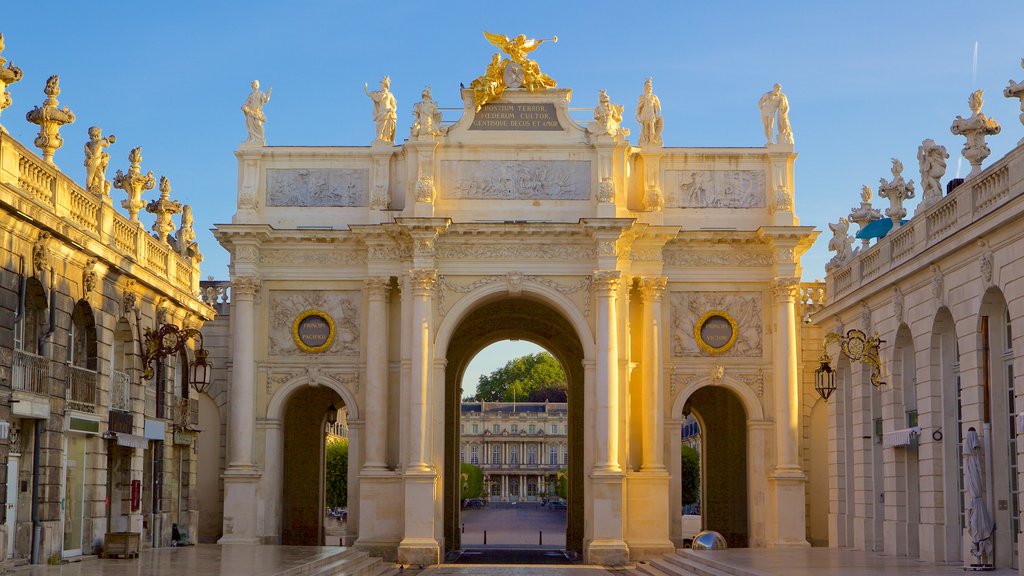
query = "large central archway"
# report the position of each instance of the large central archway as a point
(522, 318)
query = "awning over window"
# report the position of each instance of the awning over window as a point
(131, 440)
(899, 438)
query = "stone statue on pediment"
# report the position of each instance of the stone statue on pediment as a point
(841, 243)
(896, 191)
(8, 75)
(426, 116)
(254, 117)
(866, 213)
(775, 104)
(1012, 90)
(648, 116)
(607, 117)
(932, 159)
(96, 160)
(385, 110)
(975, 129)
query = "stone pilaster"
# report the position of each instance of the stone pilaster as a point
(606, 283)
(376, 409)
(651, 290)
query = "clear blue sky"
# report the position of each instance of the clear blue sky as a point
(866, 80)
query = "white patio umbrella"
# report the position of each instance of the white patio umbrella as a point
(979, 520)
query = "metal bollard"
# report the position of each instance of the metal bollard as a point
(540, 538)
(463, 527)
(485, 537)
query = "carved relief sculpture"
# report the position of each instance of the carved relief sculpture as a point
(743, 307)
(975, 129)
(252, 109)
(841, 243)
(425, 189)
(607, 118)
(896, 191)
(774, 103)
(164, 208)
(518, 180)
(89, 276)
(866, 214)
(606, 190)
(426, 117)
(716, 188)
(8, 76)
(50, 118)
(96, 160)
(287, 305)
(134, 183)
(1013, 90)
(385, 111)
(41, 253)
(648, 117)
(317, 187)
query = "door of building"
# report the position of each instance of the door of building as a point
(74, 494)
(13, 471)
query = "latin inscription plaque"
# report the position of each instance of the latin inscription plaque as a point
(715, 331)
(517, 116)
(313, 331)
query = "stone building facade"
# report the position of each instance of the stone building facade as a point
(666, 281)
(945, 292)
(89, 447)
(520, 447)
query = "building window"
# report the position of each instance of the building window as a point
(554, 428)
(565, 429)
(462, 455)
(496, 454)
(515, 429)
(531, 455)
(531, 487)
(565, 456)
(533, 429)
(513, 455)
(554, 456)
(476, 428)
(496, 429)
(474, 458)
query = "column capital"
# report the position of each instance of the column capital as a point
(652, 288)
(422, 281)
(245, 286)
(377, 287)
(786, 289)
(606, 282)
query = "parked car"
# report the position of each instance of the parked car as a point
(557, 504)
(474, 503)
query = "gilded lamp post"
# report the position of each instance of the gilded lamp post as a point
(134, 183)
(8, 76)
(50, 118)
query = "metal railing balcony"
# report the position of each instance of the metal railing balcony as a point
(82, 391)
(30, 373)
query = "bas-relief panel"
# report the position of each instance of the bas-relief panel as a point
(341, 305)
(318, 187)
(744, 307)
(715, 189)
(516, 180)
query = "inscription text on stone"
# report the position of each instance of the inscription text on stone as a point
(516, 116)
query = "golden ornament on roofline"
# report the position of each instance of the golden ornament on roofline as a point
(517, 71)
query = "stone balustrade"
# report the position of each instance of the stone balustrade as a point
(964, 206)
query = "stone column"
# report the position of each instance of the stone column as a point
(651, 290)
(241, 476)
(376, 411)
(606, 283)
(788, 478)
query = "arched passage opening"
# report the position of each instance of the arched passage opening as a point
(523, 319)
(303, 483)
(724, 490)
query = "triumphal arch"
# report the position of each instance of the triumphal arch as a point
(665, 280)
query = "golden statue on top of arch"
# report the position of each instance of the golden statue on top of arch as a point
(517, 71)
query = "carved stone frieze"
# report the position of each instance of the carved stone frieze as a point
(515, 282)
(514, 250)
(89, 277)
(343, 306)
(329, 257)
(517, 180)
(938, 287)
(691, 257)
(425, 189)
(744, 307)
(247, 253)
(41, 252)
(986, 266)
(129, 299)
(754, 380)
(319, 187)
(679, 381)
(606, 190)
(715, 188)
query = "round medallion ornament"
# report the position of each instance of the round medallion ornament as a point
(715, 331)
(313, 331)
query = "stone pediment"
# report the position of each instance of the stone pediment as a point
(518, 117)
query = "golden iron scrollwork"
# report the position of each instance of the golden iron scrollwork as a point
(856, 345)
(517, 71)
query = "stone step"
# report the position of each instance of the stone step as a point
(691, 566)
(316, 566)
(358, 563)
(707, 559)
(659, 568)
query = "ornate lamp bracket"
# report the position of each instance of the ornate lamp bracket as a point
(168, 340)
(856, 345)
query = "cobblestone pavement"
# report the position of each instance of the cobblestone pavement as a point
(519, 525)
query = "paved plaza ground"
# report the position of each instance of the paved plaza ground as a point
(514, 525)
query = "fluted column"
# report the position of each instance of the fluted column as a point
(606, 283)
(787, 389)
(377, 292)
(651, 290)
(243, 374)
(422, 281)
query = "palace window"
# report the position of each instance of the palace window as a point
(565, 456)
(533, 429)
(462, 455)
(476, 428)
(513, 455)
(496, 429)
(531, 487)
(554, 456)
(474, 457)
(496, 454)
(515, 429)
(554, 428)
(531, 455)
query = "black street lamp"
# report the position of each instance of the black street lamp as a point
(856, 345)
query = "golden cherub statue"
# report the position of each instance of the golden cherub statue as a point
(516, 72)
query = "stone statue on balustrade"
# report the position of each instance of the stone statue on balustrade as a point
(607, 118)
(50, 118)
(1013, 90)
(932, 159)
(975, 129)
(254, 116)
(163, 207)
(96, 160)
(648, 116)
(185, 237)
(896, 191)
(866, 214)
(426, 117)
(841, 243)
(385, 110)
(134, 183)
(8, 76)
(775, 104)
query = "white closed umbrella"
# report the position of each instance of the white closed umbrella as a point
(979, 520)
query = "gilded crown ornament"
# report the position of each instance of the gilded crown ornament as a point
(50, 118)
(164, 208)
(516, 72)
(8, 76)
(134, 183)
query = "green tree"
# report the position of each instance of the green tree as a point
(562, 484)
(337, 471)
(472, 482)
(532, 378)
(690, 475)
